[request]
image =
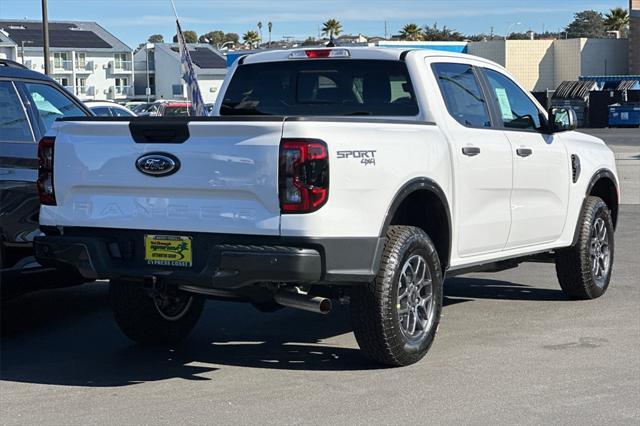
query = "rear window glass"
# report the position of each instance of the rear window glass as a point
(321, 87)
(13, 121)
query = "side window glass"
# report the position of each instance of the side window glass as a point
(516, 109)
(101, 111)
(14, 126)
(51, 104)
(462, 94)
(118, 112)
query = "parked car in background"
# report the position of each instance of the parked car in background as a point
(134, 104)
(166, 108)
(109, 109)
(141, 107)
(30, 102)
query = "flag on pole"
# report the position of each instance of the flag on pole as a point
(189, 76)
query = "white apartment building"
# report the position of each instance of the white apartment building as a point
(89, 61)
(164, 73)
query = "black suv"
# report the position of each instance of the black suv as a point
(30, 102)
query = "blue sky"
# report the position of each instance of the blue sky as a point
(134, 20)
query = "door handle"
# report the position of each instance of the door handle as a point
(524, 152)
(471, 150)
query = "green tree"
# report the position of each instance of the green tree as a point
(617, 19)
(251, 38)
(411, 32)
(587, 23)
(214, 38)
(156, 38)
(332, 28)
(189, 37)
(235, 38)
(433, 33)
(310, 41)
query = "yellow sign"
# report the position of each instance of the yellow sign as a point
(168, 250)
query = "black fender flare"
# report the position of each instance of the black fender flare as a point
(419, 184)
(599, 174)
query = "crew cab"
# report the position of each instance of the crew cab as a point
(364, 175)
(30, 102)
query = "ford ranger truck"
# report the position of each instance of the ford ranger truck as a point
(361, 175)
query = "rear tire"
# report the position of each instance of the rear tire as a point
(154, 316)
(395, 317)
(584, 270)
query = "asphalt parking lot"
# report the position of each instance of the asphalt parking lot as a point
(511, 349)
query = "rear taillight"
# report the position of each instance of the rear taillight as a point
(46, 190)
(303, 175)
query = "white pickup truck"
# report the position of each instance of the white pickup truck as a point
(363, 175)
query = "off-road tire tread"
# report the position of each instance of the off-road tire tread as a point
(137, 317)
(573, 267)
(371, 307)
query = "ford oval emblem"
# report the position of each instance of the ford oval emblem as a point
(158, 164)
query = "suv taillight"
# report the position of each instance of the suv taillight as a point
(46, 190)
(303, 175)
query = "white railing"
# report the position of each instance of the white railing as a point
(119, 66)
(120, 91)
(62, 65)
(84, 66)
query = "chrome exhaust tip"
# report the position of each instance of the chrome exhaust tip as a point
(319, 305)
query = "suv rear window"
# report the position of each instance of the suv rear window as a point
(14, 126)
(321, 87)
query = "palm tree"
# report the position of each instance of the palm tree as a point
(617, 20)
(270, 25)
(411, 32)
(260, 29)
(251, 38)
(332, 28)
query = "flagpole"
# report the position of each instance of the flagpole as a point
(175, 12)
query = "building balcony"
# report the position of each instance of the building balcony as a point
(61, 66)
(84, 67)
(117, 67)
(84, 90)
(120, 92)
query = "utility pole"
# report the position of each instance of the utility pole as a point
(45, 36)
(385, 30)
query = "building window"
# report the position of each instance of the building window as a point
(81, 85)
(177, 90)
(122, 86)
(120, 61)
(81, 60)
(60, 60)
(63, 81)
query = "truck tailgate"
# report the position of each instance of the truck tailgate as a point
(227, 180)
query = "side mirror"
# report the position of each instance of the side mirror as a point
(562, 119)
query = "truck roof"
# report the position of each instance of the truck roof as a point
(377, 53)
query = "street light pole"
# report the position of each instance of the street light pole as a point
(506, 36)
(45, 36)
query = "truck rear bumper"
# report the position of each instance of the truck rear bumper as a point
(219, 261)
